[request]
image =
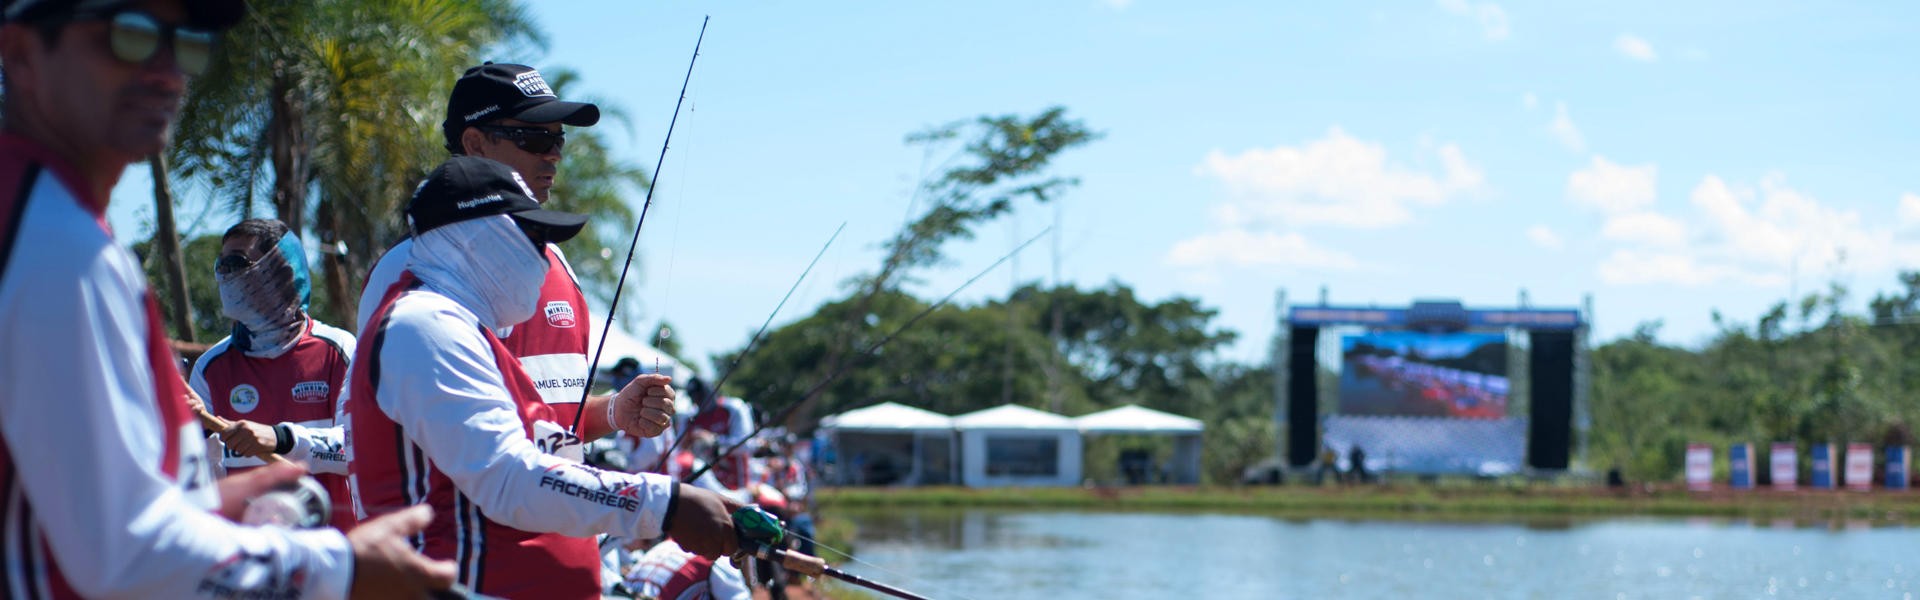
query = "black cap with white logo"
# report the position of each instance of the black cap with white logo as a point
(501, 91)
(470, 187)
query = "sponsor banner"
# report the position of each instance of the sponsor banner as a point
(1825, 477)
(1898, 467)
(1859, 467)
(1699, 467)
(1740, 466)
(1786, 465)
(1315, 315)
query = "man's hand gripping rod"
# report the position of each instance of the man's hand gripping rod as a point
(760, 535)
(614, 306)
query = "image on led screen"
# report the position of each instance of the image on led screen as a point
(1462, 375)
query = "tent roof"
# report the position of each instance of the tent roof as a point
(889, 416)
(1134, 418)
(1013, 416)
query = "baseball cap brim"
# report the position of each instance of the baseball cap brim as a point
(577, 114)
(561, 226)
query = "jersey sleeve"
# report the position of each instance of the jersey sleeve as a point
(319, 447)
(85, 436)
(438, 380)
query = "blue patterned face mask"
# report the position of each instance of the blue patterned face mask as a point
(267, 299)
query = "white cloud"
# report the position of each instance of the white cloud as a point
(1564, 129)
(1650, 228)
(1492, 19)
(1634, 47)
(1529, 100)
(1613, 188)
(1909, 210)
(1544, 237)
(1752, 235)
(1241, 248)
(1337, 180)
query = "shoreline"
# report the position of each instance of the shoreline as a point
(1394, 501)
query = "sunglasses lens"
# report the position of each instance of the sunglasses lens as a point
(541, 142)
(135, 37)
(193, 49)
(230, 264)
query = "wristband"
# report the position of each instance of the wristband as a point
(611, 400)
(283, 438)
(673, 502)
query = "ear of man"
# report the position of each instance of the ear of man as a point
(473, 142)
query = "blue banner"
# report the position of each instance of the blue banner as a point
(1823, 467)
(1897, 467)
(1740, 466)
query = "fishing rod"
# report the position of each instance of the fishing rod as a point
(842, 368)
(761, 534)
(613, 308)
(757, 335)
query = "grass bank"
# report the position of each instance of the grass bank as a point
(1477, 501)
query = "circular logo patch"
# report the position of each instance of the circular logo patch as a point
(244, 398)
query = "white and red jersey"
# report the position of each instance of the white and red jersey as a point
(297, 388)
(440, 413)
(729, 420)
(104, 486)
(667, 572)
(551, 346)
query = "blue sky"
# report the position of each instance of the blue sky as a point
(1669, 159)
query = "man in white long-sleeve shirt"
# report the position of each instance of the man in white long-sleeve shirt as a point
(441, 412)
(104, 488)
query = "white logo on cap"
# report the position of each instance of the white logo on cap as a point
(532, 84)
(466, 204)
(475, 115)
(523, 184)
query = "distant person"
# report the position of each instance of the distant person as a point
(721, 423)
(1357, 464)
(623, 372)
(1329, 465)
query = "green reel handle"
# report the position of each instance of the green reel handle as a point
(757, 526)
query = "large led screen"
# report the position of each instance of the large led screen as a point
(1397, 373)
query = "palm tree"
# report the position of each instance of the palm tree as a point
(342, 100)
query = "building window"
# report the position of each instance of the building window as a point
(1023, 456)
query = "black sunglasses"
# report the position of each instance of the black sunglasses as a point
(230, 264)
(136, 37)
(534, 140)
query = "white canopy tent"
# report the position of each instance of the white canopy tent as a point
(1134, 419)
(869, 441)
(1013, 445)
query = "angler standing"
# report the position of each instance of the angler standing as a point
(507, 113)
(278, 376)
(441, 413)
(104, 485)
(720, 424)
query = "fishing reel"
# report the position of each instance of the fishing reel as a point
(298, 504)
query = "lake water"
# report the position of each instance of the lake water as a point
(981, 554)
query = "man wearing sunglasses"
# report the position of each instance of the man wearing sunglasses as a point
(106, 490)
(441, 413)
(508, 113)
(279, 375)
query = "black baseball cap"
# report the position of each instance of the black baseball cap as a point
(495, 91)
(470, 187)
(210, 14)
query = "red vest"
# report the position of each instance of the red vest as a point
(559, 326)
(691, 573)
(390, 472)
(299, 386)
(730, 470)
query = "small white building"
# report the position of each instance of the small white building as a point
(1184, 466)
(892, 444)
(1012, 445)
